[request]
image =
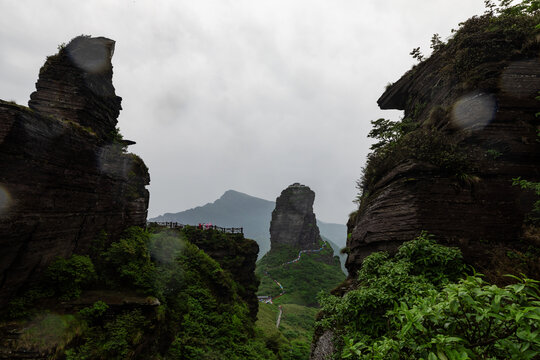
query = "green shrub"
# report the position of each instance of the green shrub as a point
(534, 216)
(466, 320)
(430, 146)
(493, 153)
(412, 306)
(116, 340)
(68, 276)
(128, 261)
(211, 321)
(502, 33)
(385, 131)
(64, 278)
(123, 334)
(94, 314)
(420, 266)
(22, 306)
(437, 263)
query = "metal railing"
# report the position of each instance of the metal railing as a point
(176, 225)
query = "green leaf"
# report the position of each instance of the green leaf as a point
(454, 306)
(496, 304)
(441, 355)
(454, 339)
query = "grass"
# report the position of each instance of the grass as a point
(298, 322)
(302, 280)
(49, 331)
(266, 317)
(295, 330)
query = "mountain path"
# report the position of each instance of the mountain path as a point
(307, 251)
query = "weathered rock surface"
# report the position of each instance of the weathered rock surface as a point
(323, 347)
(64, 172)
(293, 221)
(482, 99)
(76, 85)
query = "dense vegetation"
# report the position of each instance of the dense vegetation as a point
(293, 337)
(419, 304)
(200, 313)
(301, 280)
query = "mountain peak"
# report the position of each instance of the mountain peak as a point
(233, 194)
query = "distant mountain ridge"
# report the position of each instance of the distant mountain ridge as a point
(236, 209)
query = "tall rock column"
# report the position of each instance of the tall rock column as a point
(293, 221)
(65, 174)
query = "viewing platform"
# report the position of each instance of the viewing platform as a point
(176, 225)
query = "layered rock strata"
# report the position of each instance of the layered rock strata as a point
(293, 221)
(477, 94)
(65, 175)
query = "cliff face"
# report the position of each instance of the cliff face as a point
(471, 107)
(293, 221)
(65, 175)
(235, 254)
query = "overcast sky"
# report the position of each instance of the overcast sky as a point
(249, 95)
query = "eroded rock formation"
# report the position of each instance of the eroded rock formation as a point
(472, 106)
(65, 175)
(293, 221)
(235, 254)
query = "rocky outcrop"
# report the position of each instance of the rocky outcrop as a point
(76, 85)
(472, 106)
(65, 175)
(323, 347)
(293, 221)
(235, 254)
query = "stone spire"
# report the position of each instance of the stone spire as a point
(293, 221)
(76, 85)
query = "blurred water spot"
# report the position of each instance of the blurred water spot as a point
(474, 111)
(5, 199)
(166, 246)
(93, 59)
(93, 56)
(111, 161)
